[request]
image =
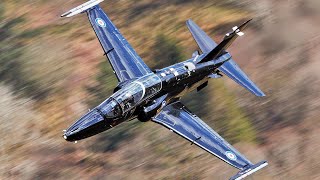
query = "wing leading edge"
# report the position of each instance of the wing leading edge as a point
(180, 120)
(205, 43)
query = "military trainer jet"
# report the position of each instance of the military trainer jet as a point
(155, 95)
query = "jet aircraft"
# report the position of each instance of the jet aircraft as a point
(155, 95)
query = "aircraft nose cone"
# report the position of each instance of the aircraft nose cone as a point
(65, 137)
(75, 131)
(85, 126)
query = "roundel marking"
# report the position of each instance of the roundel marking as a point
(100, 22)
(230, 155)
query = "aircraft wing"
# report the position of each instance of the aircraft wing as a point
(180, 120)
(124, 60)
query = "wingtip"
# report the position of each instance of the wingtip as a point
(189, 21)
(262, 94)
(65, 14)
(250, 170)
(82, 8)
(258, 93)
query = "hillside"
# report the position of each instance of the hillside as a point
(52, 70)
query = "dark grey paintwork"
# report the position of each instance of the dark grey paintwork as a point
(155, 96)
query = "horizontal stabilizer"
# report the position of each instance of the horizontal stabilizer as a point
(233, 71)
(249, 170)
(80, 9)
(221, 57)
(205, 43)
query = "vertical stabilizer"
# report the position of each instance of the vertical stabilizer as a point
(227, 41)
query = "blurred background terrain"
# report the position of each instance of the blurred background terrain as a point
(52, 70)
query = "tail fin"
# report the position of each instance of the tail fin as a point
(223, 59)
(81, 8)
(227, 41)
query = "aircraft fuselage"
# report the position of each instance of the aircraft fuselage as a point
(143, 97)
(155, 95)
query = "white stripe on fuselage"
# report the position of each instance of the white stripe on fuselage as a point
(143, 89)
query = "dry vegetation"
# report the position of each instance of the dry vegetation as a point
(52, 70)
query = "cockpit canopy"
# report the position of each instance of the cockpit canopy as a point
(137, 91)
(124, 100)
(110, 108)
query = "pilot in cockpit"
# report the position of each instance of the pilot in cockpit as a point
(128, 101)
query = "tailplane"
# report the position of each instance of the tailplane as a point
(223, 60)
